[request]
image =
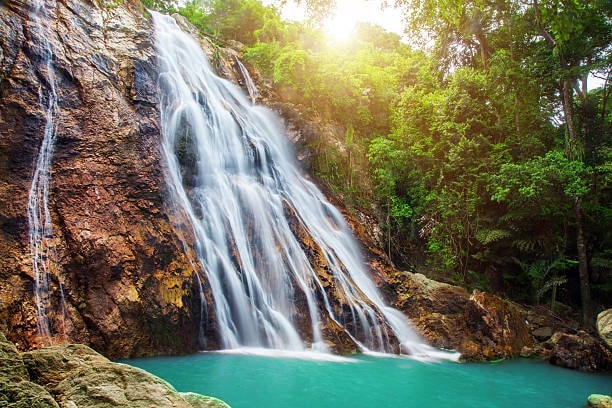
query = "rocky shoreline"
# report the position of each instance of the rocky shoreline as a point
(482, 326)
(76, 376)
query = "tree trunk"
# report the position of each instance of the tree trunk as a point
(568, 112)
(389, 229)
(583, 267)
(574, 151)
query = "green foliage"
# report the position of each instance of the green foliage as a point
(164, 6)
(196, 15)
(544, 275)
(291, 67)
(238, 20)
(548, 182)
(464, 147)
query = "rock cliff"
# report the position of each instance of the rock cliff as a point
(120, 278)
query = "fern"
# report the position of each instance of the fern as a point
(540, 271)
(555, 281)
(490, 236)
(525, 245)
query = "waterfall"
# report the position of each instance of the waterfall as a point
(250, 85)
(41, 244)
(230, 169)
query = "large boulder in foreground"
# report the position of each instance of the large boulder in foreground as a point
(16, 389)
(76, 376)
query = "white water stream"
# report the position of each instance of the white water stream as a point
(230, 169)
(42, 251)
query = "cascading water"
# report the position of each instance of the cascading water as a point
(39, 217)
(250, 85)
(230, 170)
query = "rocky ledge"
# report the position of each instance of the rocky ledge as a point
(482, 326)
(76, 376)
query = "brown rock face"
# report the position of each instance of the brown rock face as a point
(579, 351)
(126, 280)
(499, 327)
(480, 326)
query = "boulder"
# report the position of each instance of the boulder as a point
(542, 333)
(203, 401)
(604, 326)
(16, 389)
(76, 376)
(600, 401)
(578, 350)
(80, 377)
(11, 364)
(497, 326)
(480, 326)
(25, 394)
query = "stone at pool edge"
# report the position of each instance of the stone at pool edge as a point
(16, 389)
(202, 401)
(79, 376)
(600, 401)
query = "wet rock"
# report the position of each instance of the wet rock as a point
(202, 401)
(542, 333)
(497, 325)
(600, 401)
(604, 326)
(119, 277)
(480, 326)
(579, 351)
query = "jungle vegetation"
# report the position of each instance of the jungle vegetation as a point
(476, 138)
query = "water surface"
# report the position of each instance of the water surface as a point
(258, 381)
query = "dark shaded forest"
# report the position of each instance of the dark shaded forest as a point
(481, 139)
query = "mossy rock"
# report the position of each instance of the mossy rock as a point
(25, 394)
(202, 401)
(600, 401)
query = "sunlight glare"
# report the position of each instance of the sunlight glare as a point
(339, 28)
(341, 25)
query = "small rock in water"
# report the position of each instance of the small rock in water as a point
(202, 401)
(600, 401)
